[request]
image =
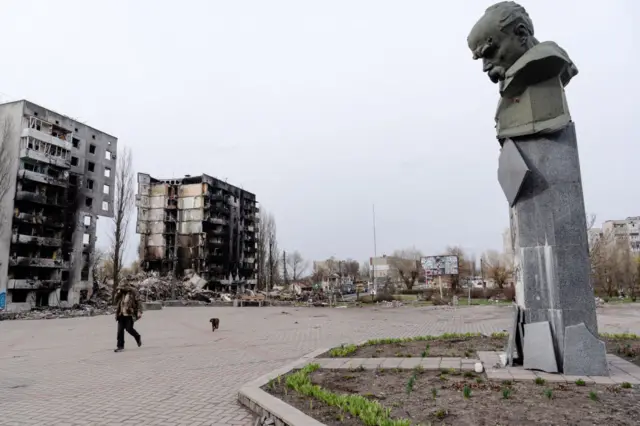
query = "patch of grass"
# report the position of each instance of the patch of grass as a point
(469, 375)
(506, 393)
(454, 372)
(444, 371)
(548, 393)
(540, 381)
(580, 382)
(425, 353)
(443, 377)
(371, 413)
(466, 391)
(499, 335)
(626, 385)
(507, 382)
(620, 336)
(434, 393)
(445, 336)
(593, 396)
(411, 383)
(342, 351)
(418, 370)
(440, 414)
(479, 380)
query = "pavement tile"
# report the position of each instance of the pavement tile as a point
(186, 374)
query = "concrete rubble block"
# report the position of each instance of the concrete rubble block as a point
(584, 354)
(538, 348)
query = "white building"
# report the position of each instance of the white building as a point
(628, 229)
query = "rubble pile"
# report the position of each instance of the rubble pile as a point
(84, 310)
(153, 287)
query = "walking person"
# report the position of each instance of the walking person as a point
(128, 310)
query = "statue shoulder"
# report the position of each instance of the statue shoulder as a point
(542, 62)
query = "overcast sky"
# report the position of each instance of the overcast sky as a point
(323, 108)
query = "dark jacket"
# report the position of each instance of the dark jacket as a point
(128, 302)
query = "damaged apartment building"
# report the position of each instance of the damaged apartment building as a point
(199, 223)
(58, 178)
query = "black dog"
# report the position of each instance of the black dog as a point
(215, 323)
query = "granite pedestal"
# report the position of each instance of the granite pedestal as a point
(548, 226)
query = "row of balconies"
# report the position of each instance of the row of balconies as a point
(38, 262)
(42, 178)
(40, 219)
(33, 239)
(32, 284)
(41, 198)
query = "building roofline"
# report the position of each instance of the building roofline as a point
(63, 115)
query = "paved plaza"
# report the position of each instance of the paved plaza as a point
(64, 372)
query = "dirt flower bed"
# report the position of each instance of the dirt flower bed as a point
(402, 398)
(446, 345)
(626, 346)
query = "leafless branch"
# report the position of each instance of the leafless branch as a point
(123, 205)
(405, 265)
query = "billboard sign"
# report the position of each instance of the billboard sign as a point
(435, 266)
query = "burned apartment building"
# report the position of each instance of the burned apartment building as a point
(58, 176)
(199, 223)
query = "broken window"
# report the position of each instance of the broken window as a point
(19, 296)
(92, 149)
(91, 167)
(75, 142)
(29, 167)
(64, 295)
(105, 206)
(93, 136)
(88, 201)
(107, 172)
(85, 239)
(73, 179)
(107, 155)
(74, 161)
(105, 189)
(87, 221)
(90, 183)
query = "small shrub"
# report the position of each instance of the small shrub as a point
(441, 414)
(506, 393)
(410, 384)
(479, 380)
(580, 382)
(342, 351)
(506, 382)
(466, 391)
(540, 381)
(626, 385)
(548, 393)
(443, 377)
(593, 396)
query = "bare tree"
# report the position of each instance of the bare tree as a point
(122, 205)
(464, 269)
(497, 267)
(319, 273)
(405, 266)
(297, 265)
(365, 271)
(269, 262)
(351, 268)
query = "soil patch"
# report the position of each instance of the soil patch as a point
(463, 347)
(487, 403)
(627, 349)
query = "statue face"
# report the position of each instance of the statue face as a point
(498, 49)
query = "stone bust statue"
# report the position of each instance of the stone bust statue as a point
(531, 75)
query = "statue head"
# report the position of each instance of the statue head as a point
(500, 37)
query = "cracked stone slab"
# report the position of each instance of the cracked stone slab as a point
(538, 347)
(584, 354)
